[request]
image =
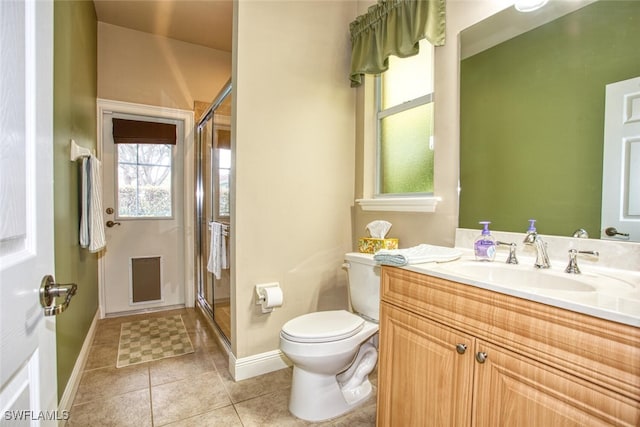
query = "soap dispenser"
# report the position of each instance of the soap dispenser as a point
(485, 245)
(532, 233)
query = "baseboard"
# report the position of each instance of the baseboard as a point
(74, 380)
(258, 364)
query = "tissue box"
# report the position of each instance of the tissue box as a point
(369, 245)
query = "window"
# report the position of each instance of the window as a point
(144, 180)
(404, 106)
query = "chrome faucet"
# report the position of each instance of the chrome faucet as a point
(511, 259)
(573, 262)
(532, 238)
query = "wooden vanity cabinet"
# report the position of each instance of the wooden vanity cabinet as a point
(416, 358)
(458, 355)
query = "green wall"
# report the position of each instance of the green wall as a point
(75, 92)
(532, 120)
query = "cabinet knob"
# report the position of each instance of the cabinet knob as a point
(481, 356)
(461, 348)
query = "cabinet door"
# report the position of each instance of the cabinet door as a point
(423, 379)
(512, 390)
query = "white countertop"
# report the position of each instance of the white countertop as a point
(616, 291)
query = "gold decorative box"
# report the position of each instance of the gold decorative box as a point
(369, 245)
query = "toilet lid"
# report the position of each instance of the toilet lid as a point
(323, 326)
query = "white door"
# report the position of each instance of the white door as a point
(28, 343)
(621, 163)
(142, 230)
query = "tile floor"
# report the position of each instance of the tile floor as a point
(190, 390)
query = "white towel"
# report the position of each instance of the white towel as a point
(416, 255)
(91, 224)
(97, 240)
(84, 205)
(218, 249)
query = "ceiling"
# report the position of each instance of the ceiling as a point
(202, 22)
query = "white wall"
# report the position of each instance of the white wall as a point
(293, 134)
(134, 66)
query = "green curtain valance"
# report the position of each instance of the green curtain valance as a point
(393, 27)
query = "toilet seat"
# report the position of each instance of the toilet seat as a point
(322, 326)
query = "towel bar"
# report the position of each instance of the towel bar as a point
(225, 227)
(77, 152)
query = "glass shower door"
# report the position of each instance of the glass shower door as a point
(213, 171)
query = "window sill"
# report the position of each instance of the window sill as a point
(400, 204)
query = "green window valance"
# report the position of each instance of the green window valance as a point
(393, 27)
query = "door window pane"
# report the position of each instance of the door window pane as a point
(144, 180)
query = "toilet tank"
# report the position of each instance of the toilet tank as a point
(364, 284)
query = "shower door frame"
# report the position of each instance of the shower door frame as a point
(201, 223)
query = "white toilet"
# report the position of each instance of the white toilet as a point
(333, 352)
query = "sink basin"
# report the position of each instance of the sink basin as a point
(526, 277)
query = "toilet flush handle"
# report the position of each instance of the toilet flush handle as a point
(346, 265)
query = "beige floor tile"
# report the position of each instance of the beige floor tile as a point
(155, 314)
(220, 359)
(273, 410)
(192, 320)
(129, 409)
(102, 356)
(362, 416)
(189, 397)
(107, 334)
(268, 410)
(201, 339)
(257, 386)
(105, 383)
(185, 391)
(223, 417)
(116, 321)
(181, 367)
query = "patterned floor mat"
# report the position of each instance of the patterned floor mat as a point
(152, 339)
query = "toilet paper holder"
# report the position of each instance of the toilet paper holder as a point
(269, 296)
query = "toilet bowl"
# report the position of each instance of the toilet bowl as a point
(333, 352)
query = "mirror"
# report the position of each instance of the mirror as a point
(532, 114)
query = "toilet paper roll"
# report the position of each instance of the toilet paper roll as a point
(272, 297)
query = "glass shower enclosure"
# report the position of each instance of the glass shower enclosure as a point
(213, 228)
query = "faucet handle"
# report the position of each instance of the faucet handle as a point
(573, 260)
(511, 259)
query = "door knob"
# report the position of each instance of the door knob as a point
(50, 290)
(611, 231)
(111, 223)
